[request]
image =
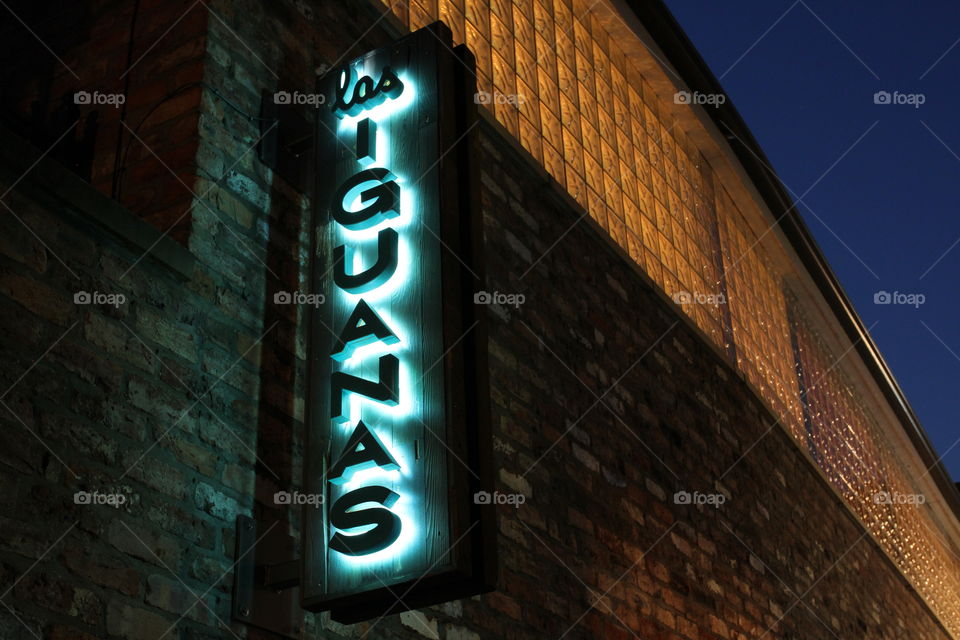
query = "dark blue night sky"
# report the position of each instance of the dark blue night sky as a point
(803, 74)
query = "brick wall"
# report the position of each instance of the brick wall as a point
(186, 400)
(606, 408)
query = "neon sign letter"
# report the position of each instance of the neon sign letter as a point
(365, 94)
(345, 516)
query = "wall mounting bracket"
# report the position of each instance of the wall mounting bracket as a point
(266, 579)
(287, 138)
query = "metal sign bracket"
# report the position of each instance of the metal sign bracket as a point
(266, 579)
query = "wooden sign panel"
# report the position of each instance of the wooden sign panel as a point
(397, 422)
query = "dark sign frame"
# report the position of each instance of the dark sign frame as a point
(444, 107)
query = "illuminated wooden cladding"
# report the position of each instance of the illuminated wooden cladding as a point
(566, 90)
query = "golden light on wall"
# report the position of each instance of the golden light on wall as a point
(558, 83)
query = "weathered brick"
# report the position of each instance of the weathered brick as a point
(174, 596)
(461, 633)
(61, 632)
(193, 456)
(19, 244)
(127, 621)
(52, 592)
(159, 329)
(36, 297)
(113, 338)
(216, 503)
(149, 546)
(102, 570)
(156, 475)
(420, 623)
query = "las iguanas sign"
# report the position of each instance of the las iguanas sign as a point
(397, 419)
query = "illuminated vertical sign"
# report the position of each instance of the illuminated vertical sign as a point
(397, 428)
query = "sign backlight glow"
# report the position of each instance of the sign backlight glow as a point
(398, 398)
